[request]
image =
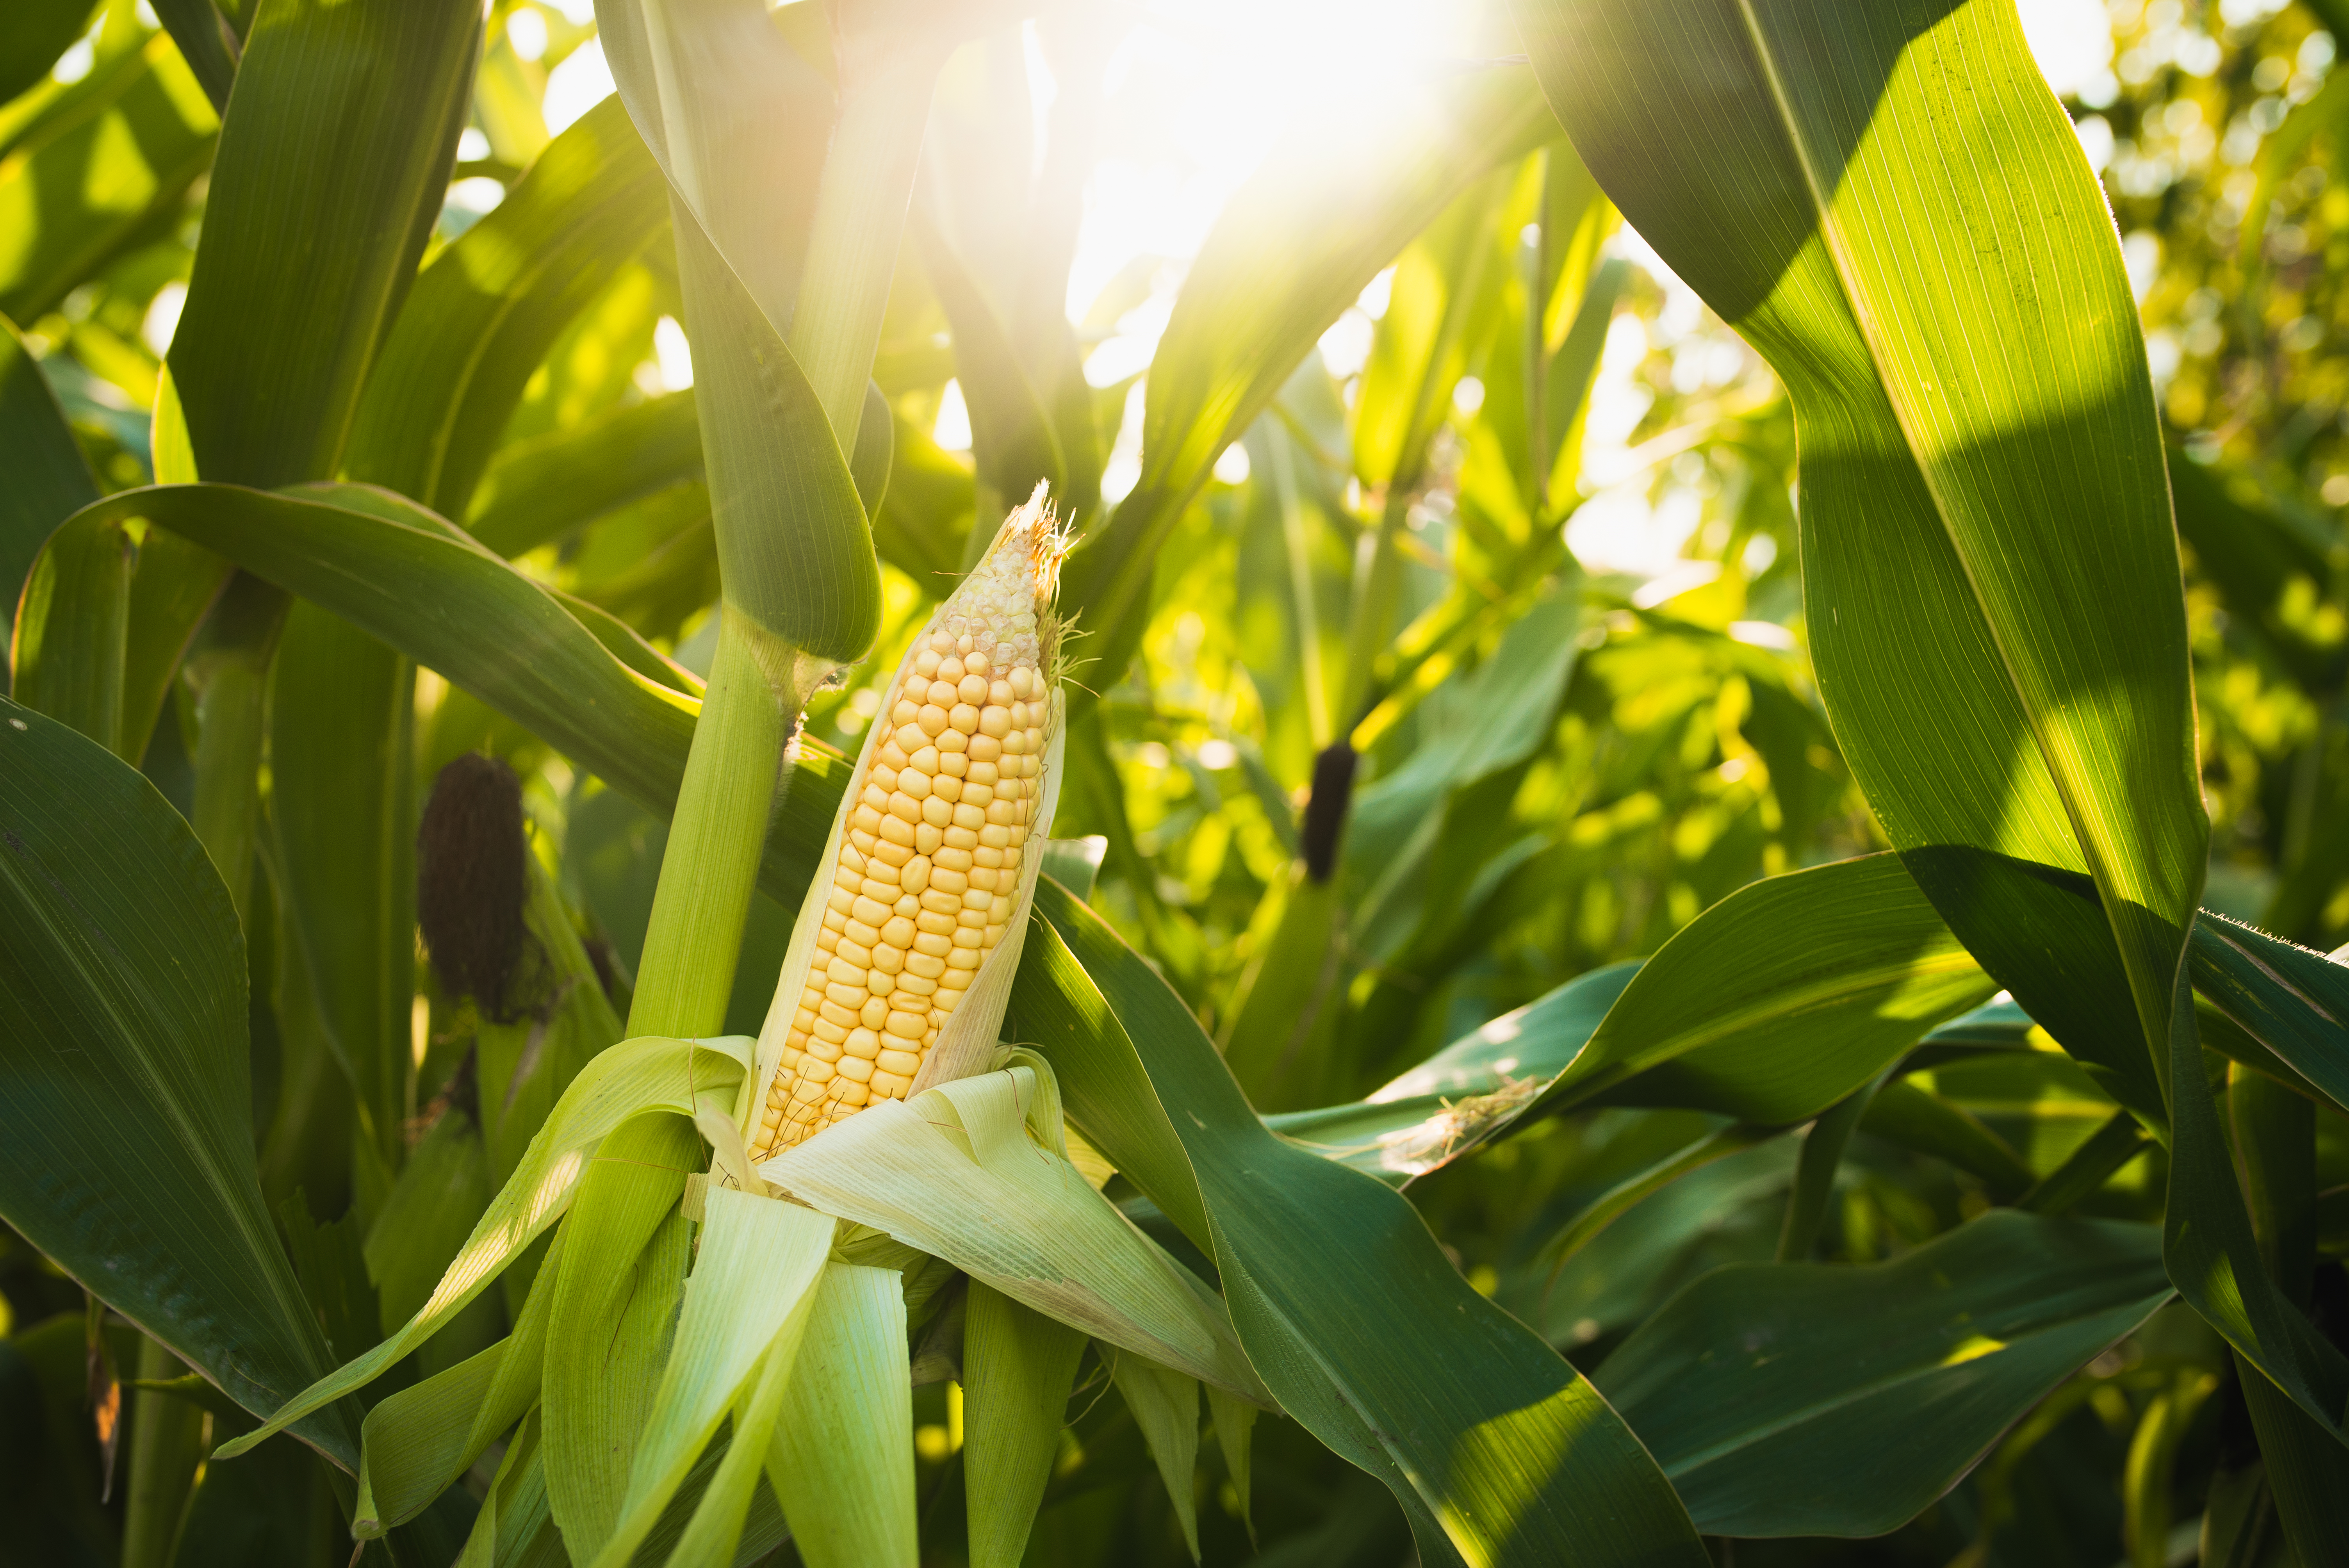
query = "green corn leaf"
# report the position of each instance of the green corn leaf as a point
(744, 149)
(1781, 999)
(50, 482)
(1441, 1110)
(2292, 1001)
(1620, 1199)
(419, 1441)
(1430, 1115)
(2275, 1130)
(841, 1456)
(1018, 1365)
(1012, 439)
(749, 1301)
(1813, 1399)
(535, 491)
(1495, 1447)
(483, 316)
(1166, 1406)
(2280, 150)
(954, 1173)
(794, 549)
(205, 43)
(423, 1223)
(869, 461)
(89, 179)
(1905, 1114)
(331, 170)
(1500, 717)
(627, 1245)
(73, 626)
(741, 152)
(40, 32)
(1336, 202)
(341, 709)
(126, 1137)
(2212, 1251)
(1887, 202)
(454, 607)
(632, 1077)
(926, 519)
(175, 585)
(414, 1440)
(2260, 556)
(1815, 1171)
(1421, 348)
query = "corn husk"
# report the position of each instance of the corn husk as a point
(1018, 1367)
(649, 1073)
(748, 1298)
(969, 1173)
(841, 1458)
(1166, 1406)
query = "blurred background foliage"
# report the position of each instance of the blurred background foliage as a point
(1526, 471)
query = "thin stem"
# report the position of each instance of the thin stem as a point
(1293, 527)
(230, 669)
(1380, 586)
(732, 777)
(167, 1437)
(1538, 350)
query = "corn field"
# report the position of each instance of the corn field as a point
(1603, 835)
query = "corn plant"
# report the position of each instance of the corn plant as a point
(599, 972)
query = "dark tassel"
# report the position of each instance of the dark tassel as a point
(1325, 809)
(471, 884)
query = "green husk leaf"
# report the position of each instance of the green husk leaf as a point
(841, 1456)
(1166, 1406)
(417, 1443)
(614, 1317)
(515, 1511)
(751, 1291)
(1235, 1421)
(955, 1172)
(1018, 1365)
(651, 1072)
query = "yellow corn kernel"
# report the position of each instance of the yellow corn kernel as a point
(919, 890)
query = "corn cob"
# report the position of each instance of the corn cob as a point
(927, 869)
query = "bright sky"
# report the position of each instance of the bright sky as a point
(1200, 91)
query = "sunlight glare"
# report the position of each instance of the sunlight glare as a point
(1198, 94)
(581, 81)
(953, 429)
